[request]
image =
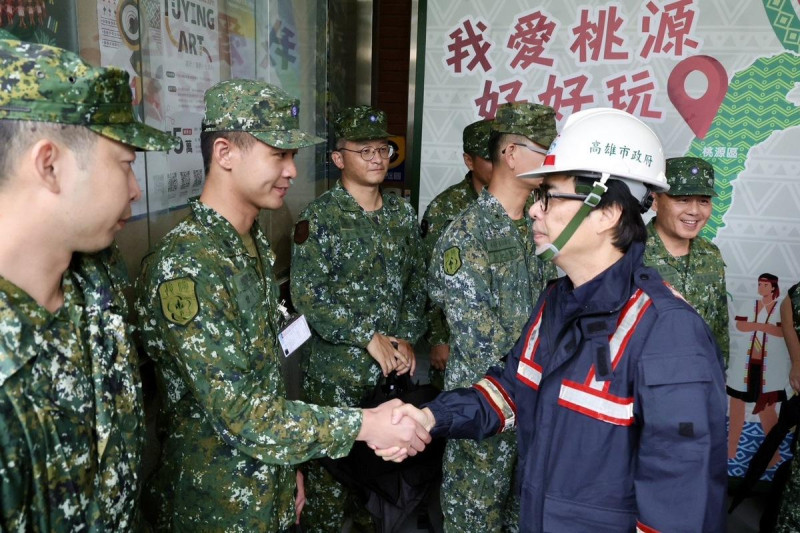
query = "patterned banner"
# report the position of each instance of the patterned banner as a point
(714, 79)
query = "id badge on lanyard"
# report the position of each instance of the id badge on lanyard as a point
(294, 333)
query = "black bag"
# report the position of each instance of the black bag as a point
(391, 491)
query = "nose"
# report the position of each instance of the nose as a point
(134, 191)
(535, 210)
(290, 170)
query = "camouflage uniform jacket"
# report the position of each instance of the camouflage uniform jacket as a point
(440, 213)
(701, 280)
(71, 419)
(357, 273)
(794, 295)
(489, 297)
(789, 515)
(230, 433)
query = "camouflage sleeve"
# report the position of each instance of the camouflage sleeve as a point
(460, 283)
(438, 331)
(433, 224)
(412, 321)
(242, 404)
(718, 319)
(313, 295)
(794, 295)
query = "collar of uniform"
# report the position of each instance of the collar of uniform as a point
(21, 317)
(654, 245)
(220, 228)
(608, 291)
(348, 203)
(468, 185)
(494, 209)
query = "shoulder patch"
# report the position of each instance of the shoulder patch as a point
(452, 260)
(423, 228)
(301, 232)
(179, 300)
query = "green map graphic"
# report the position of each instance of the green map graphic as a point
(754, 108)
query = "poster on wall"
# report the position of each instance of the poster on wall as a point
(237, 38)
(118, 28)
(180, 62)
(41, 21)
(713, 79)
(278, 54)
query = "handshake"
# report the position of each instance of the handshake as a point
(395, 430)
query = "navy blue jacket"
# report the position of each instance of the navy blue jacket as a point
(617, 392)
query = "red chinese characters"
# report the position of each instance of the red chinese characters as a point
(668, 28)
(633, 93)
(599, 36)
(488, 101)
(468, 43)
(576, 98)
(531, 35)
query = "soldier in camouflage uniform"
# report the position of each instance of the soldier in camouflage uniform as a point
(789, 515)
(208, 305)
(440, 212)
(691, 264)
(71, 419)
(358, 274)
(486, 277)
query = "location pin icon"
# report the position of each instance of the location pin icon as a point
(698, 113)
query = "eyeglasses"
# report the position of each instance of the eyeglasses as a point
(545, 196)
(368, 154)
(531, 148)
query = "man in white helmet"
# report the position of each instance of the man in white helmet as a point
(616, 385)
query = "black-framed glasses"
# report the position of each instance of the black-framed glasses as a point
(545, 196)
(368, 153)
(529, 147)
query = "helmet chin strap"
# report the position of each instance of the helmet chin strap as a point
(550, 251)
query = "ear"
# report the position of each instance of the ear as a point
(48, 160)
(222, 152)
(509, 154)
(469, 162)
(337, 159)
(655, 197)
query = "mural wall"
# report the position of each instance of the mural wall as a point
(714, 79)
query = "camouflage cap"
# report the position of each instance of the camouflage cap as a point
(360, 123)
(690, 176)
(534, 121)
(263, 110)
(476, 138)
(47, 84)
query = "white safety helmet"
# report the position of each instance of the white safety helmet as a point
(603, 144)
(610, 142)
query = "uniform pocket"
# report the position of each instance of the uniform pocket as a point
(687, 368)
(560, 515)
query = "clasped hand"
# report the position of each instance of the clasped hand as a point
(396, 430)
(392, 354)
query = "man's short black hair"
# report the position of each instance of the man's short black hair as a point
(240, 139)
(16, 136)
(498, 139)
(631, 227)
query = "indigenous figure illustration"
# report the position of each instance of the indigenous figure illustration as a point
(761, 375)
